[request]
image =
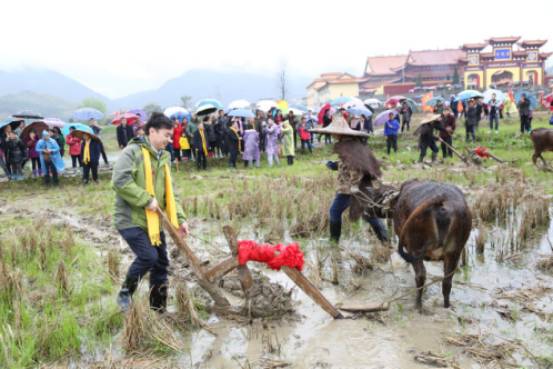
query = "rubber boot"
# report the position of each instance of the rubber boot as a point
(335, 231)
(125, 294)
(335, 256)
(158, 298)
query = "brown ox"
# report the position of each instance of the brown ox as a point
(433, 222)
(542, 138)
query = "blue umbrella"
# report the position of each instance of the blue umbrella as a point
(340, 101)
(78, 126)
(468, 94)
(10, 120)
(216, 103)
(529, 96)
(358, 111)
(435, 101)
(84, 114)
(242, 113)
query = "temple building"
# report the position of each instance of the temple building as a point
(497, 62)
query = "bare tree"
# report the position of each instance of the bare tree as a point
(283, 81)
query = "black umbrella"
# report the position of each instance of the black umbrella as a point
(27, 114)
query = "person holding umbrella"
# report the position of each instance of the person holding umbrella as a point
(74, 144)
(94, 125)
(33, 154)
(406, 113)
(471, 121)
(233, 143)
(525, 114)
(16, 154)
(124, 133)
(200, 145)
(56, 134)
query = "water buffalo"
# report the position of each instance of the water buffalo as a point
(433, 222)
(542, 138)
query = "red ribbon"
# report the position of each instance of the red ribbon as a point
(274, 256)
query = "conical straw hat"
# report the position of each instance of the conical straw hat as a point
(339, 126)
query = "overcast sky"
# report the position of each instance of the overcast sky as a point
(117, 47)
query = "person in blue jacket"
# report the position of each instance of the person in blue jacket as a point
(50, 158)
(391, 129)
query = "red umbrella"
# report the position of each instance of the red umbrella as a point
(326, 107)
(394, 100)
(130, 117)
(549, 101)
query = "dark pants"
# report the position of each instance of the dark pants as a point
(446, 151)
(76, 159)
(232, 158)
(15, 169)
(307, 143)
(149, 258)
(469, 130)
(90, 167)
(50, 169)
(201, 160)
(391, 142)
(525, 123)
(35, 164)
(290, 159)
(178, 154)
(405, 124)
(424, 146)
(328, 138)
(494, 119)
(339, 205)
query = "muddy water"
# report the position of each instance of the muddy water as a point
(390, 339)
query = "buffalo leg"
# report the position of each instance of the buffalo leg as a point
(450, 263)
(420, 277)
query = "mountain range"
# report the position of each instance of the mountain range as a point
(53, 94)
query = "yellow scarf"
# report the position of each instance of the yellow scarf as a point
(86, 154)
(204, 143)
(152, 217)
(235, 131)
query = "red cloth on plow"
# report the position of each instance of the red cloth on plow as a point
(482, 152)
(274, 256)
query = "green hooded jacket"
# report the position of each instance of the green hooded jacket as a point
(128, 183)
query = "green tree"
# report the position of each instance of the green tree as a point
(185, 101)
(92, 102)
(152, 108)
(455, 80)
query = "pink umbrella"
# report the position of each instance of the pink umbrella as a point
(394, 100)
(383, 117)
(54, 122)
(130, 117)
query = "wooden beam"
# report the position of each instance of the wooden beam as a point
(368, 308)
(312, 291)
(223, 268)
(246, 280)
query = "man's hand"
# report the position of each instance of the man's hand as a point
(183, 229)
(153, 205)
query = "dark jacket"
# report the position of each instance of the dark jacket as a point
(427, 133)
(16, 151)
(210, 133)
(447, 122)
(95, 151)
(472, 116)
(524, 108)
(124, 134)
(232, 141)
(197, 140)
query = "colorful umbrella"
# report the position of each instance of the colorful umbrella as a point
(37, 127)
(529, 96)
(242, 113)
(326, 107)
(340, 101)
(84, 114)
(282, 105)
(499, 95)
(469, 94)
(383, 117)
(435, 101)
(216, 103)
(14, 122)
(266, 105)
(394, 100)
(140, 113)
(360, 111)
(176, 112)
(239, 104)
(206, 109)
(130, 117)
(78, 126)
(27, 114)
(54, 122)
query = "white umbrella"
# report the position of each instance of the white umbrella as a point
(373, 103)
(175, 110)
(354, 103)
(499, 95)
(265, 105)
(206, 109)
(239, 104)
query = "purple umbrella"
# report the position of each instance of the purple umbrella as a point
(383, 117)
(141, 113)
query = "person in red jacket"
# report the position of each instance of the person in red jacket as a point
(74, 144)
(305, 135)
(178, 130)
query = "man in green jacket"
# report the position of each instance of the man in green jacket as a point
(134, 197)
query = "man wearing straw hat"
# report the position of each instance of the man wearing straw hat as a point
(357, 169)
(427, 139)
